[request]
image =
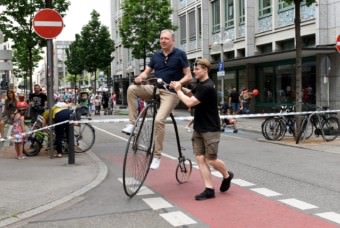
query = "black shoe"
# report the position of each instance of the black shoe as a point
(208, 193)
(225, 185)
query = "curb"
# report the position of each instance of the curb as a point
(102, 173)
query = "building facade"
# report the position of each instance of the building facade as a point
(5, 65)
(256, 42)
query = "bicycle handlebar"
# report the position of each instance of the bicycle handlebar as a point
(158, 82)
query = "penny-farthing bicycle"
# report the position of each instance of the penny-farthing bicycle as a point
(140, 146)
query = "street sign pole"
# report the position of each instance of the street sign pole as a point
(49, 80)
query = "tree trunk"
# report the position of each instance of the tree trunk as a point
(298, 65)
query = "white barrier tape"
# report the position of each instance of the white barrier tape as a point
(277, 114)
(9, 138)
(221, 116)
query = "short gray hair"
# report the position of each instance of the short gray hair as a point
(169, 31)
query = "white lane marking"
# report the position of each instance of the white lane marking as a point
(332, 216)
(217, 174)
(178, 218)
(145, 191)
(109, 133)
(142, 191)
(298, 204)
(157, 203)
(266, 192)
(169, 156)
(242, 183)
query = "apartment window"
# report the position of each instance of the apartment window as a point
(265, 8)
(283, 5)
(192, 26)
(215, 5)
(229, 13)
(199, 12)
(183, 29)
(242, 11)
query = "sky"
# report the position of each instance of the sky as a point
(78, 15)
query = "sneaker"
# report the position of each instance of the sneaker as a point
(208, 193)
(59, 155)
(235, 131)
(155, 163)
(128, 129)
(225, 185)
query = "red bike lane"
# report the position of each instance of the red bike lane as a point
(239, 207)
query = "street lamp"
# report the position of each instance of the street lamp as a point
(221, 73)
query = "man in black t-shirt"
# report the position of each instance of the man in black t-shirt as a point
(206, 135)
(38, 102)
(234, 101)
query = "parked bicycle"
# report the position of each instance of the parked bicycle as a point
(84, 138)
(276, 127)
(324, 124)
(140, 146)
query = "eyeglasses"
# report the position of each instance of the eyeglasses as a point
(166, 59)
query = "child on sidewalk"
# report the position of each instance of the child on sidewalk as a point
(19, 128)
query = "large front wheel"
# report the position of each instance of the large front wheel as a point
(139, 152)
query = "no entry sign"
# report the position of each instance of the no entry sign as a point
(338, 43)
(48, 23)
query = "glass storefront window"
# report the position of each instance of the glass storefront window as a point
(277, 84)
(266, 85)
(285, 84)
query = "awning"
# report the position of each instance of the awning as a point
(277, 56)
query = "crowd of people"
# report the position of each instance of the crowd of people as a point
(16, 107)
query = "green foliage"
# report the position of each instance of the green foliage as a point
(97, 44)
(74, 53)
(92, 49)
(16, 24)
(141, 24)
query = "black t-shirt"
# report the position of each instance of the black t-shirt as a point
(206, 118)
(38, 101)
(234, 95)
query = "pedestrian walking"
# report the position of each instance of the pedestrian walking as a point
(206, 135)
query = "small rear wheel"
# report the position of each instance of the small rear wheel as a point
(183, 170)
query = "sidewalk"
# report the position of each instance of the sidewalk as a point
(37, 184)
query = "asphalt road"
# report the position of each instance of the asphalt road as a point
(267, 174)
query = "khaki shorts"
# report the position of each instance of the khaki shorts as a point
(206, 144)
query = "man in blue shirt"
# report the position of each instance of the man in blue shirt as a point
(169, 64)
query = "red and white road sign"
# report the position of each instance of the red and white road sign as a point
(48, 23)
(338, 43)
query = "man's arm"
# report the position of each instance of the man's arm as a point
(144, 75)
(187, 76)
(188, 101)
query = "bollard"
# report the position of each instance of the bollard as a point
(71, 155)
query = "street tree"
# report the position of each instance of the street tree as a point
(75, 61)
(141, 24)
(298, 64)
(16, 24)
(97, 46)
